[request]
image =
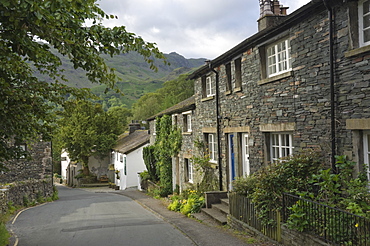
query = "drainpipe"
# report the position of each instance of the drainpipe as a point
(332, 84)
(219, 158)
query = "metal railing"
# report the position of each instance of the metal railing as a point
(333, 225)
(242, 208)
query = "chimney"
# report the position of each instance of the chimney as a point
(270, 13)
(133, 126)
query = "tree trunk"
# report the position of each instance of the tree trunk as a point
(85, 165)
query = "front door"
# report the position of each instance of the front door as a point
(232, 170)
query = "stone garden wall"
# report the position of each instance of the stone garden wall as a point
(25, 192)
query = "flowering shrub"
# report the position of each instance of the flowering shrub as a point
(189, 202)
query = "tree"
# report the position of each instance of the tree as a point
(86, 130)
(172, 92)
(29, 29)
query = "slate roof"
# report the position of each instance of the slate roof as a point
(127, 143)
(187, 104)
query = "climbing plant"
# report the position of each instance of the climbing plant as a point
(201, 163)
(167, 144)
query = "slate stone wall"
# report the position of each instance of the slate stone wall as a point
(300, 98)
(38, 167)
(30, 190)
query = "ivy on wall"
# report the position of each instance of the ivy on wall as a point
(167, 144)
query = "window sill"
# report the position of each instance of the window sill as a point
(187, 133)
(275, 78)
(237, 89)
(357, 51)
(207, 98)
(213, 164)
(228, 92)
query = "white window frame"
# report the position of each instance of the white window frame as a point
(278, 59)
(278, 146)
(209, 88)
(361, 26)
(189, 169)
(212, 147)
(366, 139)
(245, 154)
(187, 121)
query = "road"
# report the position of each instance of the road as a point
(95, 219)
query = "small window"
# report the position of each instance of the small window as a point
(188, 170)
(175, 119)
(121, 158)
(207, 86)
(281, 145)
(278, 58)
(22, 148)
(211, 145)
(187, 121)
(364, 22)
(238, 73)
(228, 76)
(367, 152)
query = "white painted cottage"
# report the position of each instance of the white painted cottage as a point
(127, 157)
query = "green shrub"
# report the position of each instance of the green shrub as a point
(189, 202)
(4, 235)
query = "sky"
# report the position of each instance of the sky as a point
(191, 28)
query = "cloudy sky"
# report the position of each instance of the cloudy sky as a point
(192, 28)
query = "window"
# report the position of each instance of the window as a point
(278, 58)
(207, 86)
(174, 119)
(188, 170)
(228, 76)
(281, 145)
(22, 148)
(211, 145)
(187, 121)
(364, 22)
(238, 73)
(367, 152)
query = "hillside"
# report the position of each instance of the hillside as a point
(136, 76)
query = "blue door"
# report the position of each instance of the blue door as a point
(232, 160)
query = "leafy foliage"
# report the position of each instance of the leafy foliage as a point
(267, 185)
(172, 92)
(86, 130)
(189, 202)
(24, 98)
(150, 162)
(167, 144)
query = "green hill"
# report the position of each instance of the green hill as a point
(136, 76)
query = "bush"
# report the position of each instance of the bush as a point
(189, 202)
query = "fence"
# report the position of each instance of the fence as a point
(242, 208)
(335, 226)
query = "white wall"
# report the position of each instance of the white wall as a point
(64, 164)
(134, 164)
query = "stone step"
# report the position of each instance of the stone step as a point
(222, 208)
(225, 201)
(216, 215)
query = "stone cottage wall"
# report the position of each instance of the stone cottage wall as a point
(38, 167)
(300, 100)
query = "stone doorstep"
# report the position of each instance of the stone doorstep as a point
(225, 201)
(95, 185)
(222, 208)
(216, 215)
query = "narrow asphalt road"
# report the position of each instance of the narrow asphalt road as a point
(81, 218)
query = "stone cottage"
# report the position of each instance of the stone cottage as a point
(302, 81)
